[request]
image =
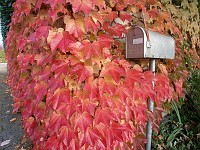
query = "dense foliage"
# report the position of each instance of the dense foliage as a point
(71, 81)
(181, 128)
(186, 16)
(5, 15)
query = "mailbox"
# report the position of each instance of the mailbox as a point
(159, 46)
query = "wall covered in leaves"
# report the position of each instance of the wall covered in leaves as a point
(70, 79)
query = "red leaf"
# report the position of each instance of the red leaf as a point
(73, 145)
(55, 41)
(52, 143)
(21, 43)
(40, 90)
(153, 14)
(133, 76)
(56, 121)
(115, 29)
(151, 2)
(60, 67)
(106, 85)
(105, 41)
(81, 71)
(42, 31)
(55, 83)
(82, 5)
(43, 74)
(53, 3)
(41, 58)
(125, 16)
(124, 91)
(99, 3)
(66, 40)
(116, 131)
(89, 106)
(96, 17)
(75, 26)
(91, 49)
(92, 135)
(66, 135)
(113, 15)
(60, 40)
(114, 70)
(90, 24)
(103, 115)
(60, 97)
(91, 86)
(24, 60)
(39, 111)
(83, 121)
(16, 106)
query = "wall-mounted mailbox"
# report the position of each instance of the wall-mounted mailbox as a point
(159, 46)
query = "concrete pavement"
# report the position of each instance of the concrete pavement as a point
(11, 131)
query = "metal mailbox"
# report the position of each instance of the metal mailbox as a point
(159, 46)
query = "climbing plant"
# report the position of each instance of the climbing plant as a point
(185, 15)
(70, 79)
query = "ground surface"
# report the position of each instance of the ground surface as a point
(11, 131)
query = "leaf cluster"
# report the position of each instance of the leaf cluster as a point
(186, 16)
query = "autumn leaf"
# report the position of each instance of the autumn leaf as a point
(96, 17)
(83, 121)
(115, 30)
(103, 115)
(66, 134)
(81, 71)
(40, 90)
(82, 5)
(56, 121)
(60, 97)
(100, 3)
(55, 41)
(92, 135)
(6, 142)
(114, 70)
(90, 49)
(125, 16)
(91, 25)
(60, 67)
(52, 142)
(75, 27)
(53, 3)
(64, 43)
(105, 41)
(91, 86)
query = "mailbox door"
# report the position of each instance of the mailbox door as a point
(135, 43)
